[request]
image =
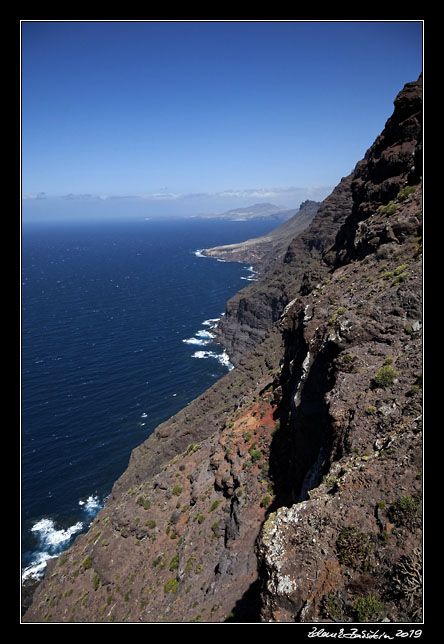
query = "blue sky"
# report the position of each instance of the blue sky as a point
(151, 118)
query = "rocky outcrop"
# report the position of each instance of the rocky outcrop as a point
(291, 490)
(393, 162)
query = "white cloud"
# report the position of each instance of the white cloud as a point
(71, 195)
(163, 196)
(290, 196)
(39, 195)
(247, 193)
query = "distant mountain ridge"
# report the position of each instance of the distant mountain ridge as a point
(256, 211)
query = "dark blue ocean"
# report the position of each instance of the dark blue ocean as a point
(115, 338)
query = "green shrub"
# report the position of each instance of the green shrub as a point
(417, 385)
(266, 500)
(144, 502)
(255, 454)
(405, 192)
(354, 548)
(331, 482)
(406, 511)
(333, 605)
(400, 278)
(150, 524)
(388, 209)
(171, 586)
(367, 609)
(174, 563)
(385, 376)
(340, 311)
(96, 581)
(177, 490)
(214, 505)
(87, 563)
(190, 563)
(62, 559)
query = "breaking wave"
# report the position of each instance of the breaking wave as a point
(211, 322)
(205, 337)
(223, 358)
(253, 274)
(93, 504)
(52, 540)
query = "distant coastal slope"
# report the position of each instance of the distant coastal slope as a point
(263, 251)
(265, 211)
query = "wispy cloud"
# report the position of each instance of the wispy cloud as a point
(247, 193)
(106, 197)
(268, 193)
(290, 193)
(163, 196)
(83, 197)
(39, 195)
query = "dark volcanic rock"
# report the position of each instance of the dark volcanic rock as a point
(393, 162)
(337, 549)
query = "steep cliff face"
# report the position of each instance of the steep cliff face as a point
(349, 547)
(291, 490)
(375, 180)
(175, 540)
(253, 310)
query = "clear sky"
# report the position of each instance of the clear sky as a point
(147, 118)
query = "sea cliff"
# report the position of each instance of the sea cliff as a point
(290, 491)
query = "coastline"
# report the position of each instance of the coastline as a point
(53, 539)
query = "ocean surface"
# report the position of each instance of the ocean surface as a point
(115, 338)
